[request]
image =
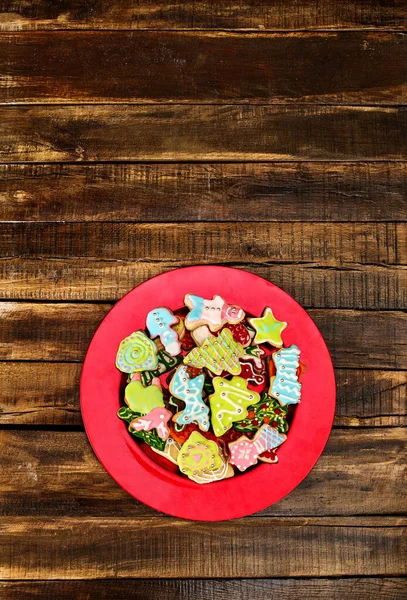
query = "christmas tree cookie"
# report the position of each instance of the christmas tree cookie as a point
(229, 402)
(218, 353)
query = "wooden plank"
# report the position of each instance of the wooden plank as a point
(187, 14)
(337, 265)
(56, 473)
(364, 398)
(305, 191)
(62, 332)
(61, 548)
(312, 285)
(341, 67)
(201, 133)
(330, 244)
(364, 588)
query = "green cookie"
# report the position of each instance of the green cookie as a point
(143, 399)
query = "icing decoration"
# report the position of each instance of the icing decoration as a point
(255, 354)
(268, 329)
(268, 411)
(285, 385)
(200, 459)
(229, 402)
(214, 313)
(190, 391)
(149, 437)
(170, 451)
(159, 323)
(200, 334)
(240, 334)
(166, 363)
(217, 354)
(250, 375)
(143, 399)
(244, 453)
(136, 353)
(269, 456)
(179, 328)
(155, 419)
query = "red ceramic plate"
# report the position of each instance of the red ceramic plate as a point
(168, 492)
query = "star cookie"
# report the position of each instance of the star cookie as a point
(268, 329)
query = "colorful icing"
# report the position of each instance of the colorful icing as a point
(217, 354)
(136, 353)
(214, 313)
(200, 459)
(285, 385)
(149, 437)
(244, 453)
(159, 323)
(255, 354)
(143, 399)
(190, 391)
(268, 329)
(229, 402)
(267, 411)
(155, 419)
(166, 363)
(240, 334)
(248, 373)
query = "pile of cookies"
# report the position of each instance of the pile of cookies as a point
(208, 388)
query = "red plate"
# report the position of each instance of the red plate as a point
(168, 492)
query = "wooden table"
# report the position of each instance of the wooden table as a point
(137, 137)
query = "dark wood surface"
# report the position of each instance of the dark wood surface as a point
(137, 137)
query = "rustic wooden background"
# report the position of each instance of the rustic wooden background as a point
(138, 136)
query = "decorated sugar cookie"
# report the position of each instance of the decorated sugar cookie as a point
(268, 411)
(285, 385)
(248, 373)
(201, 334)
(244, 453)
(217, 354)
(268, 329)
(170, 451)
(159, 323)
(214, 313)
(155, 419)
(190, 391)
(166, 363)
(136, 353)
(149, 437)
(143, 399)
(255, 355)
(229, 402)
(200, 459)
(240, 334)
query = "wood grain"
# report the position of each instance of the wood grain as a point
(305, 191)
(187, 14)
(48, 394)
(57, 473)
(327, 265)
(341, 67)
(62, 332)
(201, 133)
(63, 548)
(314, 284)
(362, 588)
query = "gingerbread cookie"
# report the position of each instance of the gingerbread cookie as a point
(155, 419)
(200, 459)
(285, 385)
(229, 402)
(214, 313)
(136, 353)
(159, 323)
(190, 392)
(143, 399)
(268, 329)
(217, 354)
(244, 453)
